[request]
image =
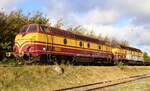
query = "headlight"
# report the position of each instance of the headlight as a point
(21, 54)
(44, 49)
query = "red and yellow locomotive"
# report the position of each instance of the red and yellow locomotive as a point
(36, 41)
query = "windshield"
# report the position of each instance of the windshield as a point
(31, 28)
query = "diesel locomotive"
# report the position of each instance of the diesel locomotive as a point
(35, 41)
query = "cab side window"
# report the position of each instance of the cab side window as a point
(88, 45)
(45, 29)
(80, 44)
(99, 47)
(65, 41)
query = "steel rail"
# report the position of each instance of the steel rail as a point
(104, 84)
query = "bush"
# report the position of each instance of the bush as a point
(120, 65)
(6, 61)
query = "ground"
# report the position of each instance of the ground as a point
(140, 85)
(46, 78)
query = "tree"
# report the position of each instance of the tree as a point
(99, 37)
(38, 18)
(115, 41)
(146, 57)
(59, 24)
(77, 30)
(91, 34)
(124, 43)
(106, 39)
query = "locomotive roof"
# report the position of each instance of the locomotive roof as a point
(126, 47)
(130, 48)
(69, 34)
(77, 36)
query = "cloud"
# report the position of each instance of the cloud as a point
(5, 3)
(96, 16)
(9, 4)
(57, 8)
(137, 9)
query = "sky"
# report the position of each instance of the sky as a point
(121, 19)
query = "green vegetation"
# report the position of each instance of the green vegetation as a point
(8, 62)
(146, 57)
(120, 65)
(45, 78)
(115, 41)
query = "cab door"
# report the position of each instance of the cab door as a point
(46, 38)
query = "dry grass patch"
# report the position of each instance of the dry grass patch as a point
(44, 78)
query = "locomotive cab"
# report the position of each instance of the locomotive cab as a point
(31, 40)
(26, 35)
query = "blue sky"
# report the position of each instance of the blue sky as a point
(30, 5)
(123, 19)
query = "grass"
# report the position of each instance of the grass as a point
(8, 62)
(45, 78)
(141, 85)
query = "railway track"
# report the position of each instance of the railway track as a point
(105, 84)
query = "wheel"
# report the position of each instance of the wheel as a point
(27, 59)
